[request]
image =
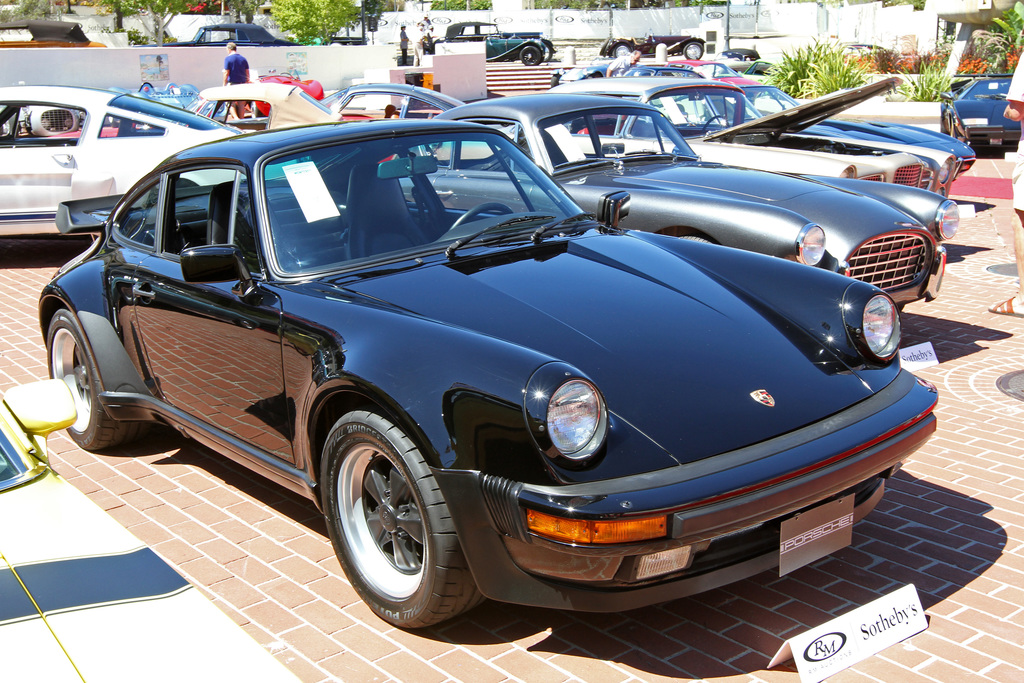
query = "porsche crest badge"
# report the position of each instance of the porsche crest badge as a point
(763, 397)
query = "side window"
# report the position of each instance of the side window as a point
(373, 106)
(201, 208)
(38, 125)
(137, 222)
(418, 109)
(120, 127)
(511, 129)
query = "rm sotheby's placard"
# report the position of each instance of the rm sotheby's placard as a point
(855, 636)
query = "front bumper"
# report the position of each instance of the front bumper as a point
(727, 508)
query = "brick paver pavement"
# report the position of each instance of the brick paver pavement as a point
(952, 524)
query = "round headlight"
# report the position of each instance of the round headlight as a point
(849, 172)
(810, 244)
(881, 327)
(945, 171)
(576, 419)
(947, 219)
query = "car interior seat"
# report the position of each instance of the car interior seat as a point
(378, 215)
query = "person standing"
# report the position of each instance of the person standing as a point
(1015, 112)
(236, 71)
(620, 65)
(403, 44)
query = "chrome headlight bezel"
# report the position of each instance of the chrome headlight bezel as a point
(810, 244)
(875, 327)
(576, 419)
(947, 219)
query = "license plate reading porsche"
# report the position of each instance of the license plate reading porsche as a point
(815, 533)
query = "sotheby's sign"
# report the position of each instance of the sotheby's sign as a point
(855, 636)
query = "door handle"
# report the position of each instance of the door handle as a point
(142, 291)
(65, 160)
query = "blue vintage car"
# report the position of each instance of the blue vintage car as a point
(973, 112)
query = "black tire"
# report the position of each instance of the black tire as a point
(390, 526)
(70, 360)
(531, 55)
(693, 50)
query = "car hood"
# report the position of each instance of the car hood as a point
(689, 355)
(847, 217)
(807, 114)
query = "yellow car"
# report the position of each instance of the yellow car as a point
(82, 599)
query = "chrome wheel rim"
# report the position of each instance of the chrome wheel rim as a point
(382, 523)
(693, 51)
(622, 51)
(69, 366)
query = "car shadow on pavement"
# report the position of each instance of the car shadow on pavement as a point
(952, 339)
(935, 538)
(957, 253)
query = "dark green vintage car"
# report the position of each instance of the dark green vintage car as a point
(528, 47)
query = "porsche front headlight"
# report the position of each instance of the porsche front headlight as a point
(810, 244)
(880, 327)
(576, 419)
(947, 219)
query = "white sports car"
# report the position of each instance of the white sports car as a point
(59, 143)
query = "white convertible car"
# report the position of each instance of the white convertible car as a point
(60, 142)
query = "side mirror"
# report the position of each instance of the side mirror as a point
(217, 263)
(612, 208)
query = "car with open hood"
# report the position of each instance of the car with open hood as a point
(722, 125)
(63, 142)
(882, 233)
(769, 99)
(488, 392)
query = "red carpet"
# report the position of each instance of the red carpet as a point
(973, 186)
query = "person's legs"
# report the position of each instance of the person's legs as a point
(1015, 304)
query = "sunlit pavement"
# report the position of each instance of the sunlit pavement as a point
(952, 523)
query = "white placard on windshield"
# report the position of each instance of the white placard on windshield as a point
(312, 194)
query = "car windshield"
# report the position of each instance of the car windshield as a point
(166, 112)
(402, 196)
(769, 99)
(609, 133)
(698, 111)
(988, 89)
(712, 70)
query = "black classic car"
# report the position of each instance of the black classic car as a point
(488, 392)
(242, 35)
(885, 234)
(528, 47)
(44, 33)
(972, 111)
(690, 47)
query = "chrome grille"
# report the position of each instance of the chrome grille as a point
(889, 261)
(908, 175)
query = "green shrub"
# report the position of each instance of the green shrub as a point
(815, 70)
(932, 81)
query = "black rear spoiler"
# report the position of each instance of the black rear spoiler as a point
(85, 215)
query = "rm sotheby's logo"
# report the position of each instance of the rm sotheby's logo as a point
(823, 647)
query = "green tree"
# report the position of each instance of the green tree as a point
(314, 20)
(244, 10)
(25, 9)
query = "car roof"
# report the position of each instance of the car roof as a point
(71, 95)
(399, 89)
(640, 86)
(248, 149)
(541, 105)
(49, 30)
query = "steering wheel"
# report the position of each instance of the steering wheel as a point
(717, 117)
(479, 209)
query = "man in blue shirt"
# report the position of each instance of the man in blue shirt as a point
(236, 70)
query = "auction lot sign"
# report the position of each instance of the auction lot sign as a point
(855, 636)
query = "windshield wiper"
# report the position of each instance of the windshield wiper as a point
(540, 232)
(528, 218)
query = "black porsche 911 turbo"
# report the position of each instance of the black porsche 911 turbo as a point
(488, 392)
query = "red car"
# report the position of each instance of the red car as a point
(716, 71)
(313, 88)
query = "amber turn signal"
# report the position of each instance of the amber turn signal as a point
(594, 532)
